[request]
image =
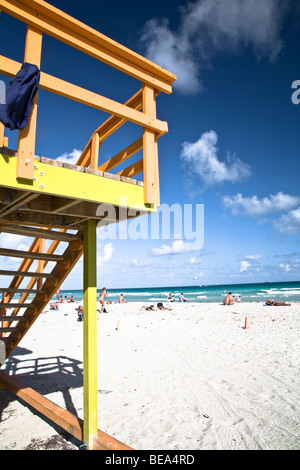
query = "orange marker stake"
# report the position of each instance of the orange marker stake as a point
(246, 327)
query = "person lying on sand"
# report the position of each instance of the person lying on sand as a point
(159, 307)
(276, 304)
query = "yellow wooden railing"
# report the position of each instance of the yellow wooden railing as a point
(42, 17)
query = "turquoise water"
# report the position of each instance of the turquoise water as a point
(279, 291)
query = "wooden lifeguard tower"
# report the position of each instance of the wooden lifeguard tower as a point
(47, 200)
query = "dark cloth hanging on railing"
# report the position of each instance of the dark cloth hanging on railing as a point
(19, 97)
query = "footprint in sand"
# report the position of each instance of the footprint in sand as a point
(263, 397)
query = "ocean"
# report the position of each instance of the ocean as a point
(260, 292)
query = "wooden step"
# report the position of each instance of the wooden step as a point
(70, 257)
(26, 273)
(6, 339)
(13, 318)
(9, 329)
(30, 255)
(39, 232)
(16, 305)
(19, 291)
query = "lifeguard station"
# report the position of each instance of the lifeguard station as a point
(49, 200)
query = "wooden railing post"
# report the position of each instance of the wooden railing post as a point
(26, 145)
(150, 151)
(2, 127)
(3, 140)
(95, 151)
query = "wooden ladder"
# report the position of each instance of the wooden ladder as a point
(44, 285)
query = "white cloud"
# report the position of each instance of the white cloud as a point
(195, 260)
(199, 275)
(177, 247)
(172, 51)
(285, 267)
(134, 263)
(70, 157)
(18, 242)
(255, 207)
(289, 224)
(108, 250)
(244, 266)
(209, 27)
(253, 257)
(201, 159)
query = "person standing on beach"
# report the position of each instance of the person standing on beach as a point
(103, 294)
(80, 313)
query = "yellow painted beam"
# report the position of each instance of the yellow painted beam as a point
(90, 408)
(63, 182)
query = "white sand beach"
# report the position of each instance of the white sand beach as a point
(186, 379)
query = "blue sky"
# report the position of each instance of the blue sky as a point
(233, 141)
